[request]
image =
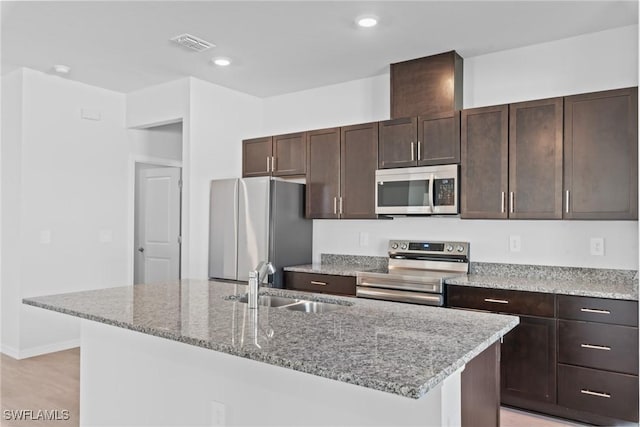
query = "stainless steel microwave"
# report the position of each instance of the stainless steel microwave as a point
(419, 191)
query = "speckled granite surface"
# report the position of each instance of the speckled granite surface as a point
(343, 265)
(397, 348)
(589, 282)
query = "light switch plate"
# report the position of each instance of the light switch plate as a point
(106, 236)
(45, 237)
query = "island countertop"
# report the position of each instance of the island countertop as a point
(397, 348)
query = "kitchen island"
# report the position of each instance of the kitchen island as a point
(147, 359)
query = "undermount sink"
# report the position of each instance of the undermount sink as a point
(271, 301)
(293, 304)
(313, 307)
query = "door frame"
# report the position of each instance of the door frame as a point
(154, 161)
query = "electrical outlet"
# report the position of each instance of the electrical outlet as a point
(218, 415)
(596, 246)
(364, 239)
(514, 243)
(105, 236)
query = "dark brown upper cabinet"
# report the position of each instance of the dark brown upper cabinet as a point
(535, 159)
(280, 155)
(485, 162)
(256, 157)
(419, 141)
(290, 154)
(397, 146)
(341, 166)
(426, 86)
(323, 173)
(600, 155)
(358, 163)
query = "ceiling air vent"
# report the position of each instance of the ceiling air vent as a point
(192, 42)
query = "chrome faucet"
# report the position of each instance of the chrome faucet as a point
(256, 278)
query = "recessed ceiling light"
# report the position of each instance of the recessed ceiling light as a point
(367, 21)
(221, 62)
(61, 69)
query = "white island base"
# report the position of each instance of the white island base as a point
(130, 378)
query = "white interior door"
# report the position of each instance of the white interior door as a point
(157, 225)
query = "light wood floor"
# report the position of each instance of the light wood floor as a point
(52, 381)
(47, 382)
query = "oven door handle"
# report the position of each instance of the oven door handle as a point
(400, 296)
(402, 285)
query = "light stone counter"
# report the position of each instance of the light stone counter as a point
(402, 349)
(588, 282)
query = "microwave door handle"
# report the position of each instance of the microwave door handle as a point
(431, 195)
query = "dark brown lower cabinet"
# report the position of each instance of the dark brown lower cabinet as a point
(480, 389)
(528, 367)
(320, 283)
(572, 357)
(606, 393)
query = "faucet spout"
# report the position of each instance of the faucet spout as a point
(256, 278)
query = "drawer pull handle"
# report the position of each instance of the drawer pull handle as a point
(497, 301)
(595, 347)
(313, 282)
(595, 310)
(595, 393)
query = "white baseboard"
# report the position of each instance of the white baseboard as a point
(9, 351)
(39, 350)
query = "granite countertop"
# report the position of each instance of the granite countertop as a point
(335, 269)
(343, 265)
(397, 348)
(588, 282)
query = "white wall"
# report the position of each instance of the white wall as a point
(158, 105)
(588, 63)
(219, 119)
(162, 142)
(592, 62)
(10, 225)
(72, 177)
(341, 104)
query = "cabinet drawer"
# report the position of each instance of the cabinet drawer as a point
(597, 345)
(322, 283)
(619, 312)
(605, 393)
(501, 300)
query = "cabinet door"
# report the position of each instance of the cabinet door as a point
(439, 139)
(289, 154)
(601, 155)
(535, 159)
(528, 361)
(484, 156)
(397, 143)
(358, 163)
(256, 157)
(323, 173)
(429, 85)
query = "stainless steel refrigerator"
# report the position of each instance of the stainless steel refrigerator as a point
(253, 220)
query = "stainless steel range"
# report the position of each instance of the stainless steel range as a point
(417, 270)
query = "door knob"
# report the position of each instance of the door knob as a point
(140, 249)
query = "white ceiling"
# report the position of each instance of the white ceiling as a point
(277, 47)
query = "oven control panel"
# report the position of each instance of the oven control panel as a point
(428, 247)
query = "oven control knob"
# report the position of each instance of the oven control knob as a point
(394, 246)
(449, 248)
(404, 246)
(460, 248)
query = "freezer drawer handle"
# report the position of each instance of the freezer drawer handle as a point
(497, 301)
(595, 393)
(595, 310)
(595, 347)
(313, 282)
